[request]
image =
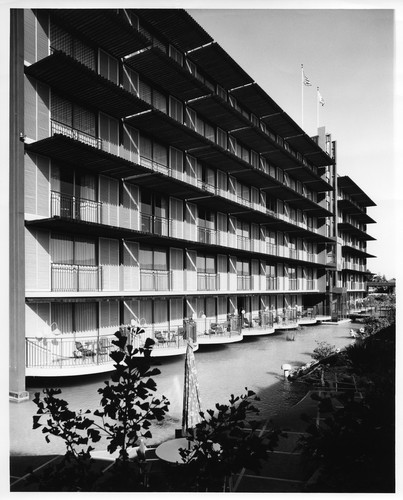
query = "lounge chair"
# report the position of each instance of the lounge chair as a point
(83, 351)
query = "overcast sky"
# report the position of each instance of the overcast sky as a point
(349, 55)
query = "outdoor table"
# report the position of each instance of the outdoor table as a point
(169, 451)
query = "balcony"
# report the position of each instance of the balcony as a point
(72, 207)
(77, 135)
(207, 282)
(75, 278)
(153, 280)
(293, 284)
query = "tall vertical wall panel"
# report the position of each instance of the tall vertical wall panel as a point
(176, 217)
(37, 319)
(129, 208)
(190, 222)
(29, 36)
(37, 186)
(109, 317)
(232, 274)
(222, 270)
(109, 196)
(109, 260)
(37, 260)
(176, 267)
(131, 269)
(130, 149)
(43, 111)
(191, 270)
(42, 35)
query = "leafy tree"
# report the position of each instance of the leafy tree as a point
(223, 443)
(128, 407)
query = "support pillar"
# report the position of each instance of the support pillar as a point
(17, 390)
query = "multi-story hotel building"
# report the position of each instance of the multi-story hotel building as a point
(352, 237)
(154, 183)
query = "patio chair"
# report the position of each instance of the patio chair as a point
(83, 350)
(161, 339)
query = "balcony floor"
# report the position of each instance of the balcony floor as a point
(252, 332)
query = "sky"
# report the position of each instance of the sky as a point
(347, 53)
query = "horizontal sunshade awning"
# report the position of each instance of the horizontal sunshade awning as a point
(349, 207)
(74, 152)
(167, 130)
(105, 28)
(347, 249)
(217, 64)
(357, 194)
(284, 126)
(164, 71)
(71, 78)
(216, 110)
(255, 139)
(294, 230)
(177, 26)
(219, 158)
(255, 99)
(349, 228)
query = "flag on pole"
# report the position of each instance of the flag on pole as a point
(320, 99)
(307, 81)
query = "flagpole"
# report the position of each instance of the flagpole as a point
(302, 96)
(317, 107)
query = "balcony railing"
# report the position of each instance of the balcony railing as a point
(244, 282)
(66, 130)
(310, 284)
(207, 235)
(152, 280)
(207, 281)
(244, 243)
(271, 283)
(75, 278)
(223, 329)
(71, 207)
(154, 224)
(293, 284)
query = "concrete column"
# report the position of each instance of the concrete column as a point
(17, 390)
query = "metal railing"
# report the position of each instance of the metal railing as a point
(207, 281)
(77, 135)
(72, 207)
(154, 224)
(207, 235)
(271, 283)
(153, 280)
(244, 282)
(212, 328)
(75, 278)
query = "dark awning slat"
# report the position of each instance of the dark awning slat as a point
(216, 110)
(177, 26)
(167, 130)
(216, 63)
(81, 84)
(73, 152)
(165, 72)
(356, 193)
(105, 28)
(255, 99)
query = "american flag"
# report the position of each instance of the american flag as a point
(320, 98)
(191, 395)
(307, 81)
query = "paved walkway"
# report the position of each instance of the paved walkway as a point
(284, 471)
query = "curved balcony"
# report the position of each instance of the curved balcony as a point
(65, 355)
(218, 332)
(257, 324)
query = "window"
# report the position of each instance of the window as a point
(108, 67)
(153, 258)
(73, 250)
(72, 115)
(205, 263)
(243, 267)
(221, 138)
(176, 55)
